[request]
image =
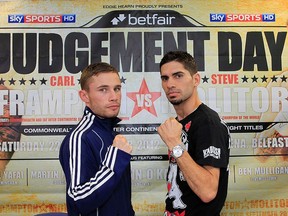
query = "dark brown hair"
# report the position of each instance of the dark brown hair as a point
(182, 57)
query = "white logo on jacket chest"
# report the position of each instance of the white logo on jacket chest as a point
(212, 151)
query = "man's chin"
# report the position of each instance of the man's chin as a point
(109, 115)
(112, 114)
(175, 102)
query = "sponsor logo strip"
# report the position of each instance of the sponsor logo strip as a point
(219, 17)
(40, 18)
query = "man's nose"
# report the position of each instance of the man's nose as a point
(113, 95)
(170, 83)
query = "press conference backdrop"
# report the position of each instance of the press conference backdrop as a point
(241, 50)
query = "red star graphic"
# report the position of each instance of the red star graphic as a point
(187, 126)
(144, 99)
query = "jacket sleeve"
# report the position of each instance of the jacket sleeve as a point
(91, 192)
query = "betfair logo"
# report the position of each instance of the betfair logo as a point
(118, 19)
(147, 20)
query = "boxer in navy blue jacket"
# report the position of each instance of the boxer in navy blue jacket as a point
(96, 162)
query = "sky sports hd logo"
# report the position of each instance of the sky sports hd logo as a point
(218, 17)
(40, 18)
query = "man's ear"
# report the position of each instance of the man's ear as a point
(197, 79)
(84, 96)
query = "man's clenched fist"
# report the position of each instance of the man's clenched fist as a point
(121, 142)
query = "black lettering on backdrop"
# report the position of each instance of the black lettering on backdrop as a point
(125, 52)
(72, 54)
(54, 43)
(135, 51)
(254, 52)
(231, 56)
(97, 50)
(276, 48)
(169, 41)
(28, 65)
(5, 52)
(150, 50)
(229, 51)
(199, 47)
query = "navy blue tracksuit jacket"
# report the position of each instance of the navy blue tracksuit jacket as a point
(97, 174)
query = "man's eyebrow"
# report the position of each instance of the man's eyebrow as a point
(173, 74)
(107, 86)
(103, 86)
(177, 72)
